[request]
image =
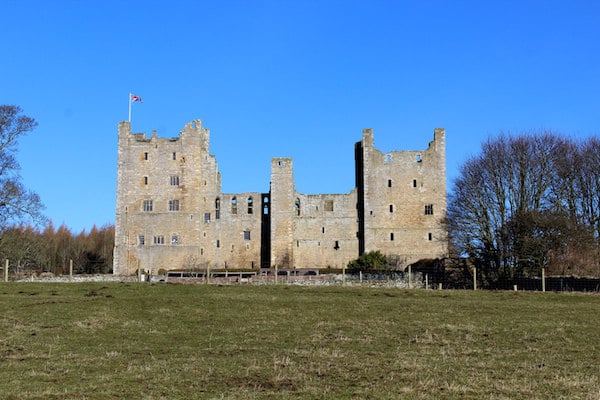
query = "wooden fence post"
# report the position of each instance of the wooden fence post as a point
(410, 277)
(543, 279)
(6, 271)
(70, 270)
(426, 281)
(474, 278)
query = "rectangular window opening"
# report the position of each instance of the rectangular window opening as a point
(147, 205)
(173, 205)
(429, 209)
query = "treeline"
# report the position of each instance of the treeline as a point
(527, 202)
(30, 250)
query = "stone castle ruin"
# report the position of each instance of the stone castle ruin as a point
(172, 215)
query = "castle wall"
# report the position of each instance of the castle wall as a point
(172, 215)
(325, 230)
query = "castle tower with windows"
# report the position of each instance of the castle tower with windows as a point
(172, 215)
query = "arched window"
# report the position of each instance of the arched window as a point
(297, 206)
(217, 208)
(234, 205)
(250, 205)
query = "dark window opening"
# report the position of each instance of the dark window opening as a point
(250, 205)
(297, 206)
(389, 183)
(173, 205)
(429, 209)
(392, 236)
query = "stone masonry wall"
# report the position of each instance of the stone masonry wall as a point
(172, 215)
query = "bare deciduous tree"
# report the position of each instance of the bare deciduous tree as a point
(17, 203)
(526, 201)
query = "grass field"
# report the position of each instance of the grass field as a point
(142, 341)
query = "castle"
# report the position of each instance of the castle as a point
(172, 215)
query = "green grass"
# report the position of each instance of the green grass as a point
(141, 341)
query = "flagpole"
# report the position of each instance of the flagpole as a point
(129, 119)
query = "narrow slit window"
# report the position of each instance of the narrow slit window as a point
(391, 208)
(414, 183)
(429, 236)
(389, 183)
(250, 205)
(392, 236)
(174, 156)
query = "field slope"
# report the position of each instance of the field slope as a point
(142, 341)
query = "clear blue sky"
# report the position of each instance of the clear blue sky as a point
(296, 79)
